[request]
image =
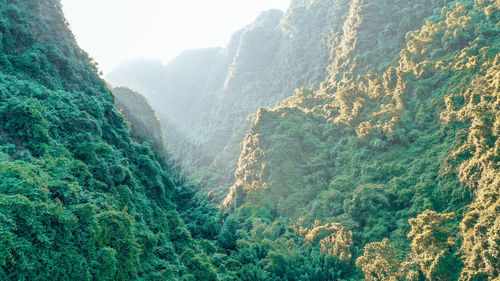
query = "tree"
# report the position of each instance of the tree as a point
(379, 262)
(432, 245)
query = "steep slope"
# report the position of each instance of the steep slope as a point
(386, 169)
(262, 64)
(207, 98)
(79, 200)
(143, 121)
(407, 156)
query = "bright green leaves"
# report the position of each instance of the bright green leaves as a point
(433, 254)
(369, 209)
(199, 266)
(227, 236)
(406, 140)
(105, 264)
(23, 121)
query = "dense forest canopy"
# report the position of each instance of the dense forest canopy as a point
(79, 199)
(340, 140)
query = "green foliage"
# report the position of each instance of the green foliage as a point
(401, 133)
(79, 200)
(200, 267)
(387, 144)
(144, 122)
(431, 246)
(387, 170)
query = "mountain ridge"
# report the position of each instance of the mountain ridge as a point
(385, 169)
(332, 162)
(79, 200)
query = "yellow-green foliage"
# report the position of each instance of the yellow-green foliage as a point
(431, 245)
(333, 238)
(401, 149)
(388, 170)
(432, 252)
(476, 161)
(379, 262)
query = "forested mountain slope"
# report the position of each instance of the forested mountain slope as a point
(405, 160)
(79, 200)
(143, 122)
(386, 169)
(204, 97)
(207, 98)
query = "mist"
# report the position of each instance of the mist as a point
(302, 140)
(113, 31)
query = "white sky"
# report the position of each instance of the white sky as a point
(112, 31)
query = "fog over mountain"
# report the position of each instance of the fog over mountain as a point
(206, 97)
(337, 140)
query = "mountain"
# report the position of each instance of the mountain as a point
(373, 146)
(206, 98)
(143, 121)
(79, 200)
(363, 136)
(405, 159)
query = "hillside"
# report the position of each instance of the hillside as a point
(206, 98)
(144, 124)
(405, 160)
(383, 163)
(339, 140)
(79, 200)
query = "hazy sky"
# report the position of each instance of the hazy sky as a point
(112, 31)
